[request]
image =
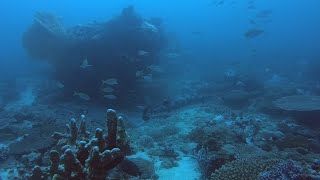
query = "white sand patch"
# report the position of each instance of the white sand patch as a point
(187, 169)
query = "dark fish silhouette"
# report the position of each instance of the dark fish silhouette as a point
(264, 13)
(196, 33)
(252, 6)
(253, 33)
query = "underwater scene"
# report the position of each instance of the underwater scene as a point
(160, 90)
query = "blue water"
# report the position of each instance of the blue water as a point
(292, 34)
(214, 73)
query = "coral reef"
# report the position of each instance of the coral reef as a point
(243, 169)
(207, 140)
(171, 104)
(106, 46)
(4, 152)
(242, 139)
(76, 156)
(285, 170)
(146, 141)
(50, 23)
(210, 161)
(304, 108)
(138, 167)
(299, 103)
(50, 28)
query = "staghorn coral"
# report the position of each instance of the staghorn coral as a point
(77, 157)
(243, 169)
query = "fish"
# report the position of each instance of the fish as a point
(139, 73)
(220, 3)
(252, 6)
(147, 78)
(155, 68)
(110, 96)
(124, 56)
(234, 63)
(150, 27)
(85, 64)
(60, 85)
(82, 96)
(107, 89)
(252, 33)
(266, 70)
(264, 13)
(252, 21)
(142, 53)
(172, 55)
(140, 107)
(111, 81)
(196, 33)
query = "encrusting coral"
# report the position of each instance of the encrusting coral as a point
(76, 156)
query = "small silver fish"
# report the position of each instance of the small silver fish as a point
(60, 85)
(149, 27)
(82, 96)
(85, 64)
(155, 68)
(140, 107)
(173, 55)
(111, 81)
(139, 73)
(148, 78)
(142, 53)
(110, 96)
(266, 70)
(107, 89)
